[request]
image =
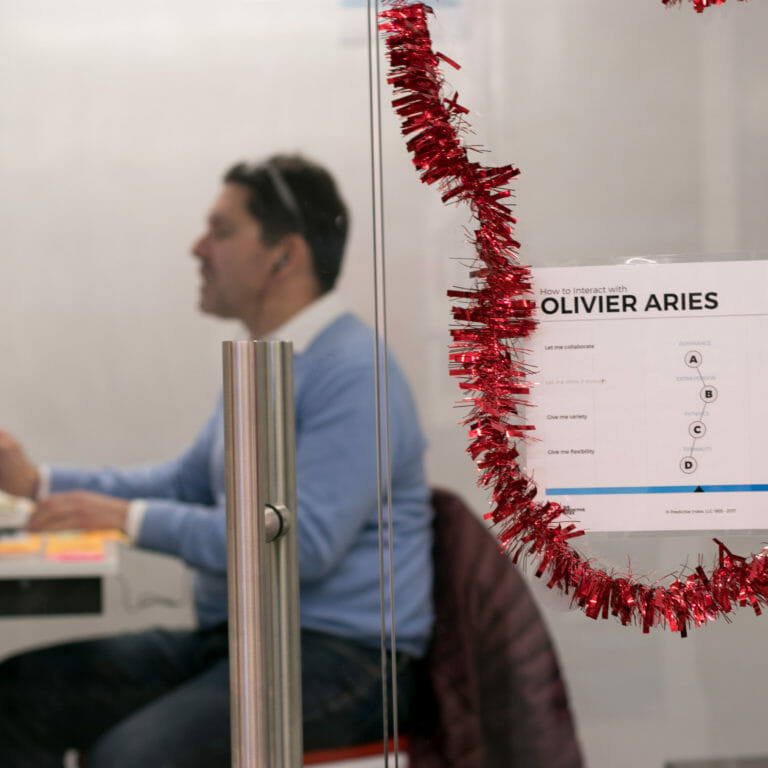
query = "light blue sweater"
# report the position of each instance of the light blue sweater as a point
(334, 380)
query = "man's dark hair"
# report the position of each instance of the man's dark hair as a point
(288, 193)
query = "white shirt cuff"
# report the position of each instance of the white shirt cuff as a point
(136, 511)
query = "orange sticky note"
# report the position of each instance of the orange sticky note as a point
(24, 544)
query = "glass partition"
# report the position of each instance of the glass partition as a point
(636, 128)
(118, 124)
(638, 131)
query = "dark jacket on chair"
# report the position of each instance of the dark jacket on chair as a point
(490, 693)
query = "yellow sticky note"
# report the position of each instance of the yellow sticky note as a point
(23, 544)
(74, 546)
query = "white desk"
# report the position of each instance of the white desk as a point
(35, 585)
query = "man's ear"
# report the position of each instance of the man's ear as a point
(295, 251)
(296, 263)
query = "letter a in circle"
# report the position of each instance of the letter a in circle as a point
(692, 359)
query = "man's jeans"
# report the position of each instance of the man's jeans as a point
(160, 699)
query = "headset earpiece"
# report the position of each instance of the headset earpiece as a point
(277, 266)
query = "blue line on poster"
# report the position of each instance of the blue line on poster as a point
(636, 489)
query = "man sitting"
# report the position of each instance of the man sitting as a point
(269, 256)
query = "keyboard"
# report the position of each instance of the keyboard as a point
(14, 512)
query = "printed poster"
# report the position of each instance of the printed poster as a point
(650, 401)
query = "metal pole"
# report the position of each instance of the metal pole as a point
(262, 556)
(286, 555)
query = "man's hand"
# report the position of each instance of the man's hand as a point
(18, 475)
(79, 510)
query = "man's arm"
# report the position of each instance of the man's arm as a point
(335, 466)
(177, 491)
(185, 479)
(337, 462)
(183, 505)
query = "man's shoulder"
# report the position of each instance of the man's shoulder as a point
(341, 357)
(346, 347)
(346, 335)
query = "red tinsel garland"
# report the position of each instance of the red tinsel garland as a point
(497, 311)
(698, 5)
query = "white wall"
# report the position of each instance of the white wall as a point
(639, 130)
